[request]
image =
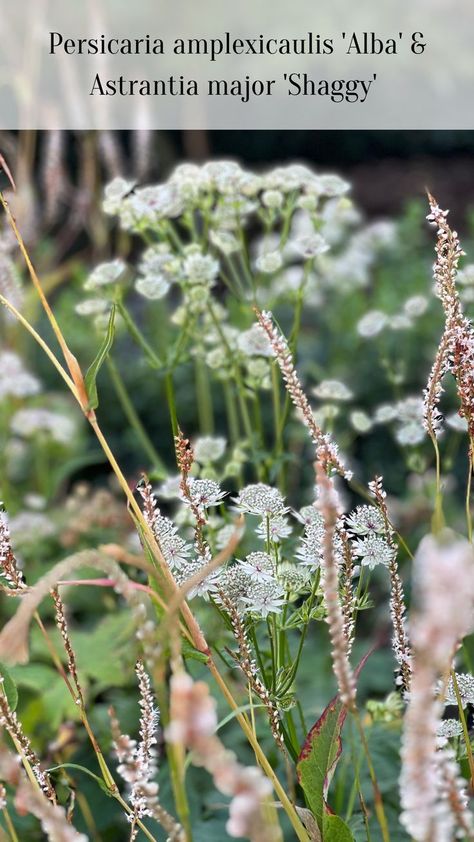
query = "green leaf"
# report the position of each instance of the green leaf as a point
(9, 687)
(336, 830)
(321, 751)
(96, 778)
(319, 755)
(94, 368)
(188, 651)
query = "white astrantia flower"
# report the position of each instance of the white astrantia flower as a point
(209, 449)
(104, 274)
(272, 199)
(260, 499)
(365, 520)
(293, 577)
(234, 582)
(361, 422)
(465, 683)
(308, 514)
(149, 205)
(400, 321)
(373, 550)
(225, 241)
(264, 598)
(92, 306)
(205, 492)
(410, 434)
(372, 323)
(269, 262)
(114, 193)
(416, 306)
(15, 380)
(457, 423)
(258, 566)
(466, 275)
(331, 185)
(254, 342)
(29, 422)
(224, 535)
(29, 527)
(332, 390)
(153, 287)
(199, 268)
(447, 729)
(385, 413)
(275, 528)
(310, 245)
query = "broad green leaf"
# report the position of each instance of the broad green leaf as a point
(9, 687)
(336, 830)
(320, 753)
(188, 651)
(94, 368)
(319, 756)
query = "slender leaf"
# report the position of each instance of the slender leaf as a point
(94, 368)
(9, 687)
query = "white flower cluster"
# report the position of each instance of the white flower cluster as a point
(32, 421)
(15, 380)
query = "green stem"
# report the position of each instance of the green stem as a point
(203, 397)
(468, 489)
(465, 730)
(378, 803)
(133, 418)
(137, 335)
(171, 403)
(10, 826)
(438, 516)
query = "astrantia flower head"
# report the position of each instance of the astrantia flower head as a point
(29, 422)
(235, 583)
(311, 245)
(114, 194)
(293, 577)
(264, 598)
(92, 307)
(209, 449)
(276, 529)
(269, 262)
(447, 729)
(366, 519)
(205, 492)
(259, 567)
(254, 343)
(104, 274)
(372, 323)
(153, 287)
(261, 499)
(169, 488)
(198, 268)
(15, 380)
(465, 683)
(332, 390)
(373, 550)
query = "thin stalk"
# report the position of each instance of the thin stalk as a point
(378, 802)
(296, 823)
(438, 516)
(133, 418)
(468, 489)
(170, 398)
(10, 825)
(203, 397)
(465, 729)
(137, 335)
